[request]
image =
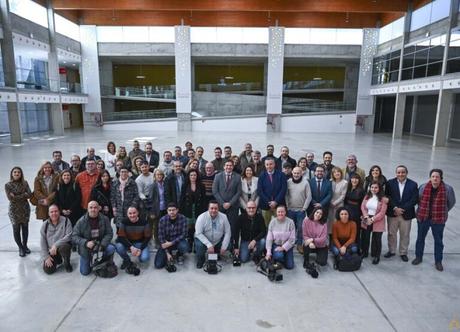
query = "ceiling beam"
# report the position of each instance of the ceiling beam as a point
(351, 6)
(230, 19)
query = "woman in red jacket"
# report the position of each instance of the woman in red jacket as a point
(374, 207)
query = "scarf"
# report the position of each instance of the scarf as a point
(438, 208)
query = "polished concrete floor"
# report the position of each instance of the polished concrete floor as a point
(391, 296)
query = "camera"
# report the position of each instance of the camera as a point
(236, 260)
(311, 269)
(133, 269)
(211, 265)
(270, 270)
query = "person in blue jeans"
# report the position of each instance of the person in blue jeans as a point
(91, 230)
(250, 225)
(281, 236)
(436, 199)
(134, 235)
(343, 234)
(172, 234)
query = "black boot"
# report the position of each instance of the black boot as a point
(25, 236)
(22, 253)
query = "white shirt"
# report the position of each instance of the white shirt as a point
(371, 205)
(401, 187)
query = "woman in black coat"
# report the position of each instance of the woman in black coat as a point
(353, 199)
(101, 194)
(193, 201)
(68, 197)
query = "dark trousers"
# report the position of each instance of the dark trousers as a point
(17, 230)
(201, 249)
(438, 231)
(63, 255)
(376, 245)
(321, 255)
(358, 234)
(161, 257)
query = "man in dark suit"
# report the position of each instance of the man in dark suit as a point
(285, 158)
(321, 191)
(403, 195)
(175, 183)
(271, 187)
(151, 156)
(226, 189)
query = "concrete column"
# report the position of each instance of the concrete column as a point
(275, 78)
(9, 71)
(441, 128)
(350, 85)
(398, 124)
(414, 115)
(365, 102)
(56, 117)
(183, 62)
(107, 88)
(90, 75)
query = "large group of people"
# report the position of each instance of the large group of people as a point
(244, 205)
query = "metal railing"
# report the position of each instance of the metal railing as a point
(49, 85)
(301, 105)
(231, 87)
(140, 115)
(312, 84)
(144, 91)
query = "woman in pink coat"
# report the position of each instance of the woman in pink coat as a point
(374, 207)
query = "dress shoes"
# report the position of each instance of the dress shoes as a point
(439, 266)
(376, 260)
(417, 261)
(404, 258)
(388, 255)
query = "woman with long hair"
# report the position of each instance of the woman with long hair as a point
(374, 207)
(375, 175)
(110, 157)
(248, 187)
(18, 192)
(353, 199)
(339, 190)
(45, 185)
(68, 197)
(101, 193)
(193, 201)
(314, 231)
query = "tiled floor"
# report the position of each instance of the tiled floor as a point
(390, 296)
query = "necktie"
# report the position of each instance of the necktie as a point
(319, 188)
(228, 180)
(270, 176)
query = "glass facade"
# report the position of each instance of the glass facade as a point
(424, 58)
(31, 73)
(386, 68)
(453, 58)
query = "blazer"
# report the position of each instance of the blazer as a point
(171, 193)
(154, 160)
(272, 191)
(379, 217)
(325, 196)
(224, 193)
(279, 163)
(244, 198)
(408, 200)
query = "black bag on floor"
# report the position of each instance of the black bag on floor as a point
(103, 267)
(348, 262)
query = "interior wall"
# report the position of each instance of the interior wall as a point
(426, 115)
(215, 74)
(303, 73)
(125, 75)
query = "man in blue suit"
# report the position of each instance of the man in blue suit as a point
(271, 187)
(321, 191)
(403, 195)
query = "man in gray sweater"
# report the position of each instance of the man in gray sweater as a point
(212, 233)
(55, 237)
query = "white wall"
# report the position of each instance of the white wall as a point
(326, 123)
(256, 124)
(144, 125)
(321, 123)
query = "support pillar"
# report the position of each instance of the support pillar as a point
(56, 117)
(400, 108)
(9, 71)
(275, 78)
(365, 102)
(183, 62)
(92, 111)
(414, 115)
(441, 128)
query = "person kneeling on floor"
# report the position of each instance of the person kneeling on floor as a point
(134, 235)
(212, 233)
(172, 233)
(55, 239)
(92, 231)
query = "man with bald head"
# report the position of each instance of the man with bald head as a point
(92, 229)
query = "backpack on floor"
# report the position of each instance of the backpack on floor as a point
(103, 267)
(348, 262)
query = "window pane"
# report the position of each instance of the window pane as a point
(394, 64)
(323, 36)
(421, 57)
(407, 74)
(439, 10)
(436, 54)
(66, 27)
(109, 34)
(161, 34)
(30, 10)
(135, 34)
(434, 69)
(453, 65)
(408, 61)
(421, 17)
(420, 71)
